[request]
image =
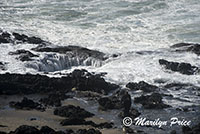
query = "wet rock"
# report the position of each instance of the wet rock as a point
(184, 68)
(173, 132)
(111, 102)
(194, 130)
(54, 99)
(26, 104)
(21, 38)
(88, 94)
(2, 66)
(3, 126)
(47, 130)
(24, 129)
(24, 55)
(153, 101)
(5, 37)
(14, 37)
(141, 86)
(74, 50)
(133, 113)
(71, 111)
(187, 47)
(89, 131)
(30, 84)
(129, 130)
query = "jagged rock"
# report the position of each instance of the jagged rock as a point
(194, 130)
(153, 101)
(112, 102)
(184, 68)
(187, 47)
(74, 50)
(71, 111)
(2, 66)
(24, 55)
(133, 113)
(24, 129)
(14, 37)
(54, 99)
(89, 131)
(30, 84)
(5, 37)
(27, 104)
(141, 86)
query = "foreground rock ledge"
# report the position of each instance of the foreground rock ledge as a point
(32, 84)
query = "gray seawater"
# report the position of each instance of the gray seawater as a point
(123, 27)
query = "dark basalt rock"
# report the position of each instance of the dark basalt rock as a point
(133, 113)
(47, 130)
(54, 99)
(27, 104)
(194, 130)
(111, 102)
(2, 66)
(89, 131)
(1, 132)
(153, 101)
(14, 37)
(141, 86)
(71, 111)
(187, 47)
(24, 129)
(184, 68)
(5, 37)
(24, 55)
(75, 51)
(29, 84)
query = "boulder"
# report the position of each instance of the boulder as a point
(153, 101)
(184, 68)
(27, 104)
(187, 47)
(71, 111)
(145, 87)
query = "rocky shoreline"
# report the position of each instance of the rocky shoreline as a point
(105, 96)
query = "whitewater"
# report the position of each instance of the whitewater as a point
(140, 31)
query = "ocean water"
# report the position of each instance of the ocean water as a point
(141, 31)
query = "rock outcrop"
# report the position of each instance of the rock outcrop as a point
(187, 47)
(184, 68)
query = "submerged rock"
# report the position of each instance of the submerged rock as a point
(187, 47)
(153, 101)
(71, 111)
(184, 68)
(141, 86)
(29, 84)
(24, 55)
(27, 104)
